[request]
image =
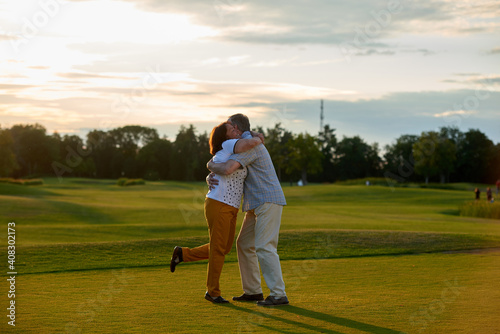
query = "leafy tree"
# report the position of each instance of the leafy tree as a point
(8, 161)
(137, 151)
(475, 157)
(446, 157)
(203, 157)
(103, 150)
(76, 157)
(356, 159)
(399, 158)
(328, 143)
(154, 160)
(128, 141)
(452, 133)
(185, 154)
(424, 154)
(457, 138)
(33, 150)
(276, 143)
(434, 155)
(494, 165)
(305, 156)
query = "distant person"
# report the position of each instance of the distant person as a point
(221, 209)
(489, 196)
(498, 186)
(478, 194)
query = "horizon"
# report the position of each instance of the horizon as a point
(198, 132)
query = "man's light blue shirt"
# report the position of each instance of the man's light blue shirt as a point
(262, 184)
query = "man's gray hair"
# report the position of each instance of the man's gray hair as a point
(241, 121)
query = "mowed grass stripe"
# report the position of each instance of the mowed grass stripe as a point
(293, 245)
(79, 210)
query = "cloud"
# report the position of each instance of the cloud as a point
(389, 116)
(330, 22)
(275, 63)
(487, 82)
(466, 74)
(180, 101)
(228, 61)
(204, 103)
(475, 79)
(39, 67)
(453, 113)
(8, 37)
(425, 52)
(494, 51)
(372, 52)
(362, 29)
(13, 87)
(9, 99)
(76, 75)
(123, 57)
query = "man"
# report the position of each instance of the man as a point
(258, 239)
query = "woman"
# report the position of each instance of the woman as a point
(221, 210)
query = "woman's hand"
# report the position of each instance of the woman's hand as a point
(212, 181)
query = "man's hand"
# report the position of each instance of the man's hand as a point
(212, 181)
(260, 135)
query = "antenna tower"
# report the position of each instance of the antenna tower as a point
(321, 117)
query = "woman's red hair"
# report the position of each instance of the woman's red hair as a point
(217, 137)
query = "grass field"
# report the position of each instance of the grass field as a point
(93, 257)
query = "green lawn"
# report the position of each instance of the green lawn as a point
(432, 293)
(93, 257)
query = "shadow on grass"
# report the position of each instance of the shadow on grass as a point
(255, 318)
(339, 321)
(80, 213)
(25, 191)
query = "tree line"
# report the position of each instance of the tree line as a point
(133, 151)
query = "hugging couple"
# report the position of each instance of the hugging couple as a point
(241, 165)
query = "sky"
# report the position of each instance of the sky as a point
(383, 68)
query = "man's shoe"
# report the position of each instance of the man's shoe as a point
(218, 300)
(249, 298)
(176, 258)
(273, 301)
